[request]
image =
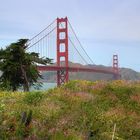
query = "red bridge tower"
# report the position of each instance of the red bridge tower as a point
(116, 67)
(62, 50)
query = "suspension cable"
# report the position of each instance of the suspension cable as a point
(42, 30)
(80, 43)
(78, 51)
(42, 38)
(75, 47)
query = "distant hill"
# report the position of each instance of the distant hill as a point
(126, 74)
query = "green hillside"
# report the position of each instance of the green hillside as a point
(79, 110)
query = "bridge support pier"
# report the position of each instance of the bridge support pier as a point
(62, 77)
(62, 50)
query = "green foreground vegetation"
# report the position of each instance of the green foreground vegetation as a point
(79, 110)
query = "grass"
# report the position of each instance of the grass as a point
(79, 110)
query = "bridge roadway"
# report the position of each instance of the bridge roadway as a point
(75, 69)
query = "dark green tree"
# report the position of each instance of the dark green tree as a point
(19, 68)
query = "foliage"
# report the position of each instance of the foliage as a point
(19, 68)
(33, 98)
(86, 112)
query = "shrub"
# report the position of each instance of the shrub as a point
(33, 98)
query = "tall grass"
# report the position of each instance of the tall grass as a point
(79, 110)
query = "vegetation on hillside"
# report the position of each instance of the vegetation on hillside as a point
(19, 67)
(79, 110)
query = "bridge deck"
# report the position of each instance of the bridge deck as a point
(75, 69)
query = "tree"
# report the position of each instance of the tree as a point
(19, 68)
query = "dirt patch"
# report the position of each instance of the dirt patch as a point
(99, 85)
(136, 98)
(119, 111)
(81, 95)
(52, 106)
(85, 96)
(133, 115)
(112, 97)
(62, 124)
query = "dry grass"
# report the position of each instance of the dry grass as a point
(136, 98)
(116, 111)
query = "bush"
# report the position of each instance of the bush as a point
(33, 98)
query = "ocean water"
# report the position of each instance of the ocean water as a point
(45, 86)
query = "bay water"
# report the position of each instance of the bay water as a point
(44, 86)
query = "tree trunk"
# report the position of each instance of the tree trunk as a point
(14, 88)
(26, 84)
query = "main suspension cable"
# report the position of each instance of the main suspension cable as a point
(42, 30)
(42, 37)
(77, 50)
(80, 43)
(75, 47)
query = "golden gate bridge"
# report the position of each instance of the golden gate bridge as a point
(60, 42)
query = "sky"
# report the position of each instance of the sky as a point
(104, 27)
